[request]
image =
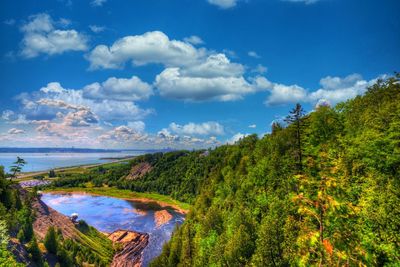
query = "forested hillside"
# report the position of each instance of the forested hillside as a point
(323, 190)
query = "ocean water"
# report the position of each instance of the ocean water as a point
(48, 161)
(108, 214)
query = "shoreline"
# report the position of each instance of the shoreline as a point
(24, 175)
(143, 199)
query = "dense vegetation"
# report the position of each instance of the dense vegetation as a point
(178, 174)
(322, 191)
(16, 218)
(15, 221)
(89, 247)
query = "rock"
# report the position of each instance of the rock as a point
(138, 171)
(46, 217)
(19, 252)
(161, 217)
(133, 245)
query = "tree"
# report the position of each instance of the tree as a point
(52, 174)
(34, 250)
(50, 240)
(296, 118)
(17, 167)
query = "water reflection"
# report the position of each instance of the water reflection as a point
(108, 214)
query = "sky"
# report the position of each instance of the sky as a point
(181, 73)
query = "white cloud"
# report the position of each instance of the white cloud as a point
(223, 3)
(173, 84)
(253, 54)
(236, 138)
(216, 78)
(7, 115)
(252, 126)
(56, 98)
(41, 37)
(15, 131)
(333, 90)
(282, 94)
(205, 128)
(150, 47)
(123, 134)
(98, 2)
(216, 65)
(97, 29)
(80, 118)
(119, 89)
(138, 126)
(191, 74)
(195, 40)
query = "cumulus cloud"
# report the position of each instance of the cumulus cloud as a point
(216, 78)
(53, 98)
(236, 137)
(138, 126)
(205, 128)
(120, 89)
(194, 39)
(150, 47)
(167, 138)
(14, 131)
(224, 4)
(123, 134)
(41, 37)
(333, 90)
(192, 74)
(172, 83)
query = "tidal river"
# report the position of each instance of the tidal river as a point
(108, 214)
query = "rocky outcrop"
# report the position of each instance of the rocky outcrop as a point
(133, 244)
(19, 251)
(161, 217)
(138, 171)
(46, 217)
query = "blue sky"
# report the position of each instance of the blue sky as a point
(181, 73)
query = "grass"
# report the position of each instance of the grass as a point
(127, 194)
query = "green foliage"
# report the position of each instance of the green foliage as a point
(50, 240)
(323, 191)
(17, 167)
(52, 174)
(35, 253)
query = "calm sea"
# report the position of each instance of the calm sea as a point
(47, 161)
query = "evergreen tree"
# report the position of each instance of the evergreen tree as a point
(296, 120)
(17, 167)
(50, 240)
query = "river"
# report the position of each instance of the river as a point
(108, 214)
